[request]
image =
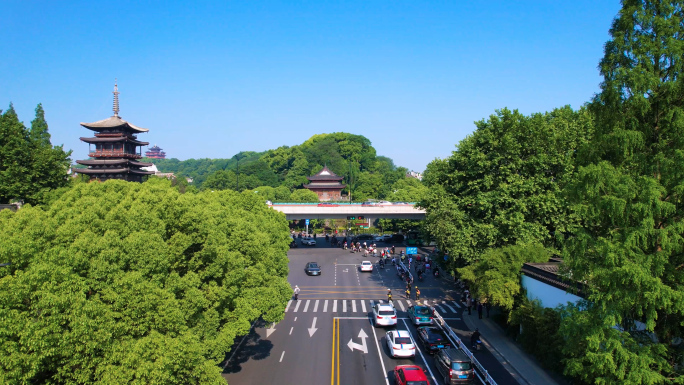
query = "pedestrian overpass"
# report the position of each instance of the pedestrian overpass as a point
(297, 211)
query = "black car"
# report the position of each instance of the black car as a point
(433, 339)
(312, 268)
(395, 238)
(363, 238)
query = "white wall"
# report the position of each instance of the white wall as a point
(547, 294)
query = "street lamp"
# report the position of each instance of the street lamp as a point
(237, 157)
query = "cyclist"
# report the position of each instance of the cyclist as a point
(389, 295)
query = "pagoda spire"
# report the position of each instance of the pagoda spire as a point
(116, 98)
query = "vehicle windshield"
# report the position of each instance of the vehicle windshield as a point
(461, 366)
(313, 265)
(402, 340)
(386, 312)
(422, 311)
(434, 336)
(417, 383)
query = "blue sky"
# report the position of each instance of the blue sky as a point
(210, 79)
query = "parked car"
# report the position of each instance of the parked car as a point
(454, 366)
(410, 375)
(325, 204)
(384, 315)
(420, 315)
(308, 241)
(312, 268)
(369, 204)
(384, 203)
(433, 339)
(400, 343)
(367, 266)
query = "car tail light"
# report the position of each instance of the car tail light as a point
(379, 317)
(396, 348)
(412, 348)
(394, 317)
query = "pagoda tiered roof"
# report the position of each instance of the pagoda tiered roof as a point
(325, 175)
(114, 139)
(113, 162)
(113, 122)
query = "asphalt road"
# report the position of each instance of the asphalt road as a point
(326, 336)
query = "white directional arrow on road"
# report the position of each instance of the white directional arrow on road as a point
(312, 329)
(362, 347)
(270, 330)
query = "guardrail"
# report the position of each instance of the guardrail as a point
(457, 341)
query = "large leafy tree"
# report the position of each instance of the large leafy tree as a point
(30, 166)
(630, 195)
(129, 283)
(502, 186)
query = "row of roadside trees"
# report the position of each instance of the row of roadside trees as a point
(603, 186)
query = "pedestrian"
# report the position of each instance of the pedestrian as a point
(296, 292)
(417, 293)
(408, 292)
(487, 307)
(469, 304)
(479, 310)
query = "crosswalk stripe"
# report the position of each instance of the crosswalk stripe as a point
(344, 306)
(450, 308)
(440, 308)
(335, 306)
(325, 306)
(315, 306)
(458, 305)
(401, 305)
(408, 301)
(353, 306)
(288, 305)
(306, 307)
(297, 306)
(363, 306)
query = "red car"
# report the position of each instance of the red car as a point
(410, 375)
(328, 205)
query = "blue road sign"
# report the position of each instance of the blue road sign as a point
(307, 222)
(411, 250)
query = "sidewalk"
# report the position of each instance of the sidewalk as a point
(518, 363)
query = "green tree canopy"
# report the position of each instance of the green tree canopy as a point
(628, 247)
(502, 186)
(303, 195)
(29, 165)
(133, 283)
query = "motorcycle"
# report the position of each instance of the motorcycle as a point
(477, 345)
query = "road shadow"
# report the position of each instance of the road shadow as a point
(246, 348)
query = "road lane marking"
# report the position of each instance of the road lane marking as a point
(316, 307)
(297, 306)
(332, 363)
(408, 301)
(306, 307)
(377, 346)
(281, 356)
(353, 306)
(456, 304)
(291, 330)
(335, 306)
(295, 319)
(420, 352)
(450, 308)
(363, 306)
(325, 306)
(344, 306)
(401, 305)
(288, 305)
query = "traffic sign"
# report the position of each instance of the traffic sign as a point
(307, 222)
(411, 250)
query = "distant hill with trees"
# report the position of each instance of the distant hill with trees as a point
(283, 170)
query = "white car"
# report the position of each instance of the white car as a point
(384, 315)
(308, 241)
(384, 203)
(400, 343)
(367, 266)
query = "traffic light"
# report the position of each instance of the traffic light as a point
(351, 218)
(359, 217)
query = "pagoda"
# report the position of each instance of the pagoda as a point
(116, 149)
(326, 184)
(155, 152)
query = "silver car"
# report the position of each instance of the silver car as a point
(384, 315)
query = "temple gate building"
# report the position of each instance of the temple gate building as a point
(116, 149)
(326, 184)
(155, 152)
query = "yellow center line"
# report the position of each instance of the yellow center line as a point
(338, 352)
(332, 364)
